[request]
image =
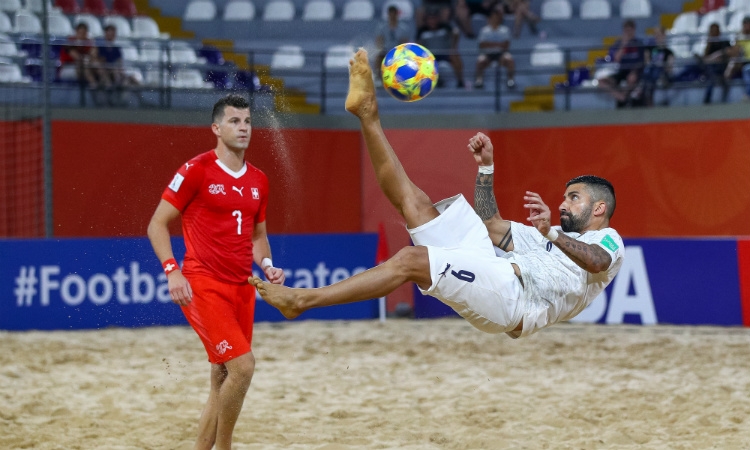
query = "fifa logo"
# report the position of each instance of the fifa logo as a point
(216, 189)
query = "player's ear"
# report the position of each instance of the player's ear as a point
(600, 208)
(215, 129)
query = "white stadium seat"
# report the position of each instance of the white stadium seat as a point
(685, 23)
(189, 79)
(124, 30)
(153, 52)
(680, 45)
(318, 10)
(59, 25)
(95, 27)
(716, 16)
(237, 10)
(10, 72)
(278, 10)
(547, 54)
(37, 6)
(200, 10)
(405, 7)
(596, 9)
(27, 22)
(6, 26)
(8, 47)
(338, 56)
(145, 27)
(556, 10)
(129, 52)
(288, 57)
(180, 52)
(358, 10)
(734, 24)
(10, 6)
(634, 9)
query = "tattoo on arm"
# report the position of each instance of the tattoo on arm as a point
(485, 204)
(505, 241)
(591, 258)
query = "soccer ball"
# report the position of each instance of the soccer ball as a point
(409, 72)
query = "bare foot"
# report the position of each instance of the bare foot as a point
(361, 100)
(278, 296)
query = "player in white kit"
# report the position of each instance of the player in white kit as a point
(501, 276)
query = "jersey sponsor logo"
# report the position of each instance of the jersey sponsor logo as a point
(223, 346)
(216, 189)
(256, 193)
(609, 243)
(235, 188)
(176, 182)
(188, 166)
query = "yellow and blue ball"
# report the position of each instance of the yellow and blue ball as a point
(409, 72)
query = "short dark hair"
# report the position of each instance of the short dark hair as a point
(233, 100)
(110, 27)
(82, 24)
(630, 23)
(393, 8)
(746, 19)
(599, 189)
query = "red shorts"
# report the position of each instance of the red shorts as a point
(222, 314)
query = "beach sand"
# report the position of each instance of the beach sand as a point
(432, 384)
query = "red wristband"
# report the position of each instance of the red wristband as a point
(170, 266)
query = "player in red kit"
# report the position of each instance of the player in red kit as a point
(222, 199)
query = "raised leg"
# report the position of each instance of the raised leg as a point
(413, 204)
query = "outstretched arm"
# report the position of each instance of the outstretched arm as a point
(590, 257)
(485, 204)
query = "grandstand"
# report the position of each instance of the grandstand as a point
(293, 53)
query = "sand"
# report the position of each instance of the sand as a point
(405, 384)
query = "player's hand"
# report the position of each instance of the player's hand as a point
(481, 147)
(179, 288)
(539, 213)
(274, 275)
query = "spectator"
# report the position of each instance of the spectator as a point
(443, 9)
(442, 40)
(659, 61)
(388, 35)
(80, 53)
(628, 53)
(714, 61)
(110, 59)
(494, 45)
(465, 9)
(740, 52)
(521, 9)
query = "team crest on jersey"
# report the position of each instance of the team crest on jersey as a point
(216, 189)
(256, 194)
(176, 182)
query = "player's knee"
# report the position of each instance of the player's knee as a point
(412, 262)
(243, 366)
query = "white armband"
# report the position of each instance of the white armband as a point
(266, 262)
(487, 170)
(552, 235)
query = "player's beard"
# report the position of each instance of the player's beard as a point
(570, 222)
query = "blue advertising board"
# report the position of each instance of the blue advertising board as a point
(96, 283)
(674, 281)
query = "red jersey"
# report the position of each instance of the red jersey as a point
(219, 209)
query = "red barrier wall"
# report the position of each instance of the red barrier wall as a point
(108, 177)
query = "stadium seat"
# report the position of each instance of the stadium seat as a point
(316, 10)
(37, 6)
(69, 7)
(338, 56)
(95, 27)
(10, 6)
(635, 9)
(181, 52)
(680, 45)
(716, 16)
(596, 9)
(734, 24)
(125, 8)
(8, 47)
(95, 7)
(358, 10)
(288, 57)
(405, 7)
(237, 10)
(145, 27)
(699, 46)
(189, 79)
(556, 10)
(739, 5)
(129, 52)
(546, 54)
(200, 10)
(121, 24)
(10, 72)
(27, 22)
(278, 10)
(685, 23)
(152, 52)
(6, 26)
(58, 24)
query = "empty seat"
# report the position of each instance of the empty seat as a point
(10, 72)
(27, 22)
(358, 10)
(6, 26)
(69, 7)
(634, 9)
(37, 6)
(152, 52)
(145, 27)
(129, 52)
(338, 56)
(596, 9)
(739, 5)
(8, 47)
(716, 16)
(95, 27)
(121, 24)
(125, 8)
(10, 6)
(180, 52)
(318, 10)
(680, 45)
(189, 79)
(405, 8)
(59, 25)
(556, 10)
(237, 10)
(685, 23)
(288, 57)
(734, 24)
(277, 10)
(547, 54)
(200, 10)
(95, 7)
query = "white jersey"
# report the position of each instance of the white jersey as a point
(556, 288)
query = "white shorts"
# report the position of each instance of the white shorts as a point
(466, 273)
